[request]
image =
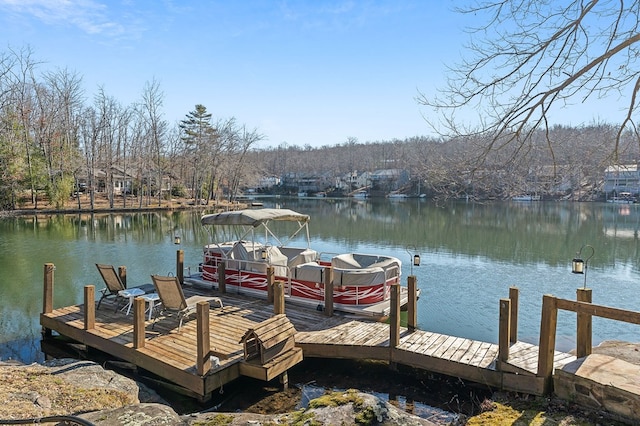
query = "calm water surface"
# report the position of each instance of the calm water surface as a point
(471, 254)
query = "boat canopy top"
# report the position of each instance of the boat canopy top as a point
(253, 217)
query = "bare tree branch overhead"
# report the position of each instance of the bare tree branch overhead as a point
(527, 60)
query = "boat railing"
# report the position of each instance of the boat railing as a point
(396, 275)
(191, 270)
(390, 279)
(258, 266)
(322, 256)
(392, 273)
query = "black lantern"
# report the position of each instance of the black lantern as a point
(579, 266)
(415, 257)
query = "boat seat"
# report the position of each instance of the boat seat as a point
(358, 277)
(298, 256)
(358, 261)
(311, 271)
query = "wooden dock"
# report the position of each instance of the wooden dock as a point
(449, 355)
(168, 353)
(207, 352)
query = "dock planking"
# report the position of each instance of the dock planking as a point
(172, 355)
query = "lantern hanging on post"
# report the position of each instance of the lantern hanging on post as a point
(415, 257)
(579, 266)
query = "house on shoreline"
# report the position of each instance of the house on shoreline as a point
(121, 181)
(622, 178)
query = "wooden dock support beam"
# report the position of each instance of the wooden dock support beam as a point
(412, 303)
(203, 348)
(138, 323)
(547, 344)
(514, 296)
(222, 277)
(394, 316)
(89, 307)
(122, 272)
(284, 380)
(47, 300)
(270, 277)
(278, 297)
(328, 291)
(508, 324)
(47, 297)
(394, 324)
(180, 266)
(504, 330)
(584, 325)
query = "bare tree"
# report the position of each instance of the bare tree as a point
(58, 101)
(89, 135)
(124, 126)
(238, 158)
(106, 108)
(156, 128)
(18, 102)
(528, 59)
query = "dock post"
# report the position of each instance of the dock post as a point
(394, 316)
(47, 301)
(284, 380)
(328, 291)
(270, 278)
(548, 323)
(412, 302)
(514, 296)
(278, 297)
(122, 272)
(89, 307)
(203, 349)
(47, 297)
(222, 277)
(394, 323)
(504, 332)
(180, 266)
(138, 322)
(584, 332)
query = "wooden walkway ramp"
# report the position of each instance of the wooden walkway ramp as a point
(454, 356)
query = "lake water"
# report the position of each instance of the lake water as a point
(470, 255)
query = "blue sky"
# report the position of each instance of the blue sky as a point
(301, 72)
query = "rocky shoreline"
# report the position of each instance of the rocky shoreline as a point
(104, 397)
(84, 389)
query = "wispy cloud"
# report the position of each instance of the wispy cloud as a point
(339, 14)
(89, 16)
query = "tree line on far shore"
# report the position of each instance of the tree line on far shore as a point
(561, 163)
(51, 139)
